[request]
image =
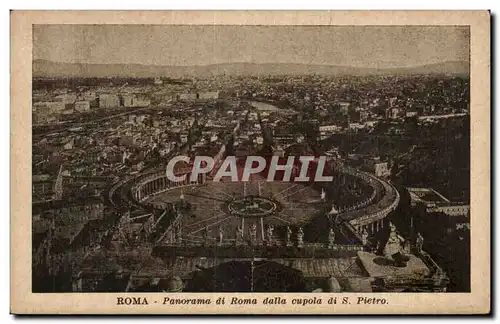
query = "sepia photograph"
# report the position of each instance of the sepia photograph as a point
(319, 160)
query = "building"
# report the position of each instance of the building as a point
(356, 126)
(411, 113)
(69, 144)
(141, 102)
(210, 95)
(49, 107)
(82, 106)
(129, 140)
(431, 206)
(184, 138)
(42, 187)
(344, 107)
(109, 101)
(127, 100)
(67, 98)
(371, 123)
(140, 118)
(445, 227)
(377, 167)
(133, 101)
(187, 96)
(434, 202)
(158, 81)
(363, 115)
(426, 196)
(392, 113)
(329, 128)
(89, 96)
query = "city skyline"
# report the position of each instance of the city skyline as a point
(199, 45)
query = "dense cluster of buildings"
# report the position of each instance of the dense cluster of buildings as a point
(140, 127)
(357, 103)
(57, 105)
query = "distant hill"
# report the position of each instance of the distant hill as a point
(44, 68)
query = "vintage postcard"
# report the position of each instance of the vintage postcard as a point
(244, 162)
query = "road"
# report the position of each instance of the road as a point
(68, 126)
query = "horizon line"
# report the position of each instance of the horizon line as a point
(257, 63)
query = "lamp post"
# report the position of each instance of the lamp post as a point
(252, 269)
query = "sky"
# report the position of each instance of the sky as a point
(356, 46)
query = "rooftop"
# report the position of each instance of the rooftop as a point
(426, 196)
(376, 266)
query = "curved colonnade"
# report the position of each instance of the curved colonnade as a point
(153, 184)
(368, 215)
